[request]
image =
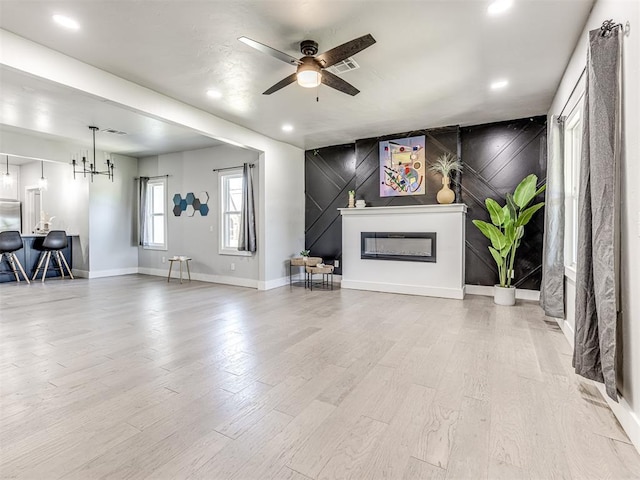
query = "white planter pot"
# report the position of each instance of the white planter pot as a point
(504, 295)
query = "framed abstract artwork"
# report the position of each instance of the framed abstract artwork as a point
(402, 167)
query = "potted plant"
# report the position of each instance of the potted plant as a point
(305, 255)
(444, 165)
(506, 231)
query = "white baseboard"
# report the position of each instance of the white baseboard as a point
(457, 293)
(487, 291)
(112, 273)
(627, 417)
(270, 284)
(103, 273)
(567, 329)
(622, 410)
(201, 277)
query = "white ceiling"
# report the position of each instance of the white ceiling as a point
(431, 66)
(51, 110)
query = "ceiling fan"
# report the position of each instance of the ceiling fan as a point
(311, 69)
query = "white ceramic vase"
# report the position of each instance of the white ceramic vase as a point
(504, 295)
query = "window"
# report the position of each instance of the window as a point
(572, 151)
(230, 211)
(156, 214)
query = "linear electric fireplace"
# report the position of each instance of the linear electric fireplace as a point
(401, 246)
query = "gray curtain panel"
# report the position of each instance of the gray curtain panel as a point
(247, 240)
(143, 228)
(598, 228)
(552, 287)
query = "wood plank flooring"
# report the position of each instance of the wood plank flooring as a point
(134, 378)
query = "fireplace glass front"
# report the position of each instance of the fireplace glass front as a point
(402, 246)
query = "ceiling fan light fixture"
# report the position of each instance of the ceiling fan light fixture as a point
(309, 74)
(309, 78)
(311, 68)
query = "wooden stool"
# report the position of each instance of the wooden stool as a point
(327, 275)
(302, 262)
(180, 259)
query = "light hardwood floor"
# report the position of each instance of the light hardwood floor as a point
(132, 377)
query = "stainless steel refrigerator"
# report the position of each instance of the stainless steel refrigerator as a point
(10, 215)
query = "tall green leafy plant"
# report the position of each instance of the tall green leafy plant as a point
(507, 225)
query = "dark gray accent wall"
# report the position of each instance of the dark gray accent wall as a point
(437, 142)
(329, 175)
(495, 157)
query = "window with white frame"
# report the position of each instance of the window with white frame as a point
(156, 214)
(572, 151)
(230, 211)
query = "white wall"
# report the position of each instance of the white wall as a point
(197, 236)
(66, 200)
(113, 247)
(282, 182)
(628, 410)
(100, 213)
(283, 211)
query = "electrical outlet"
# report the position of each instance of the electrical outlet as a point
(233, 267)
(211, 228)
(164, 259)
(336, 264)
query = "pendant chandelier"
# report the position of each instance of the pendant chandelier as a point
(43, 182)
(7, 179)
(92, 170)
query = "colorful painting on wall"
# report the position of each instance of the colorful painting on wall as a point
(402, 167)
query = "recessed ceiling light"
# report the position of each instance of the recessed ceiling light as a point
(214, 93)
(66, 22)
(499, 6)
(498, 84)
(287, 127)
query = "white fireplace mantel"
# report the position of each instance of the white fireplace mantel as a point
(405, 209)
(444, 278)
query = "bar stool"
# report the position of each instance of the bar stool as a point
(55, 241)
(11, 242)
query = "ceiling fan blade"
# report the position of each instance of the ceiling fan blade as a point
(281, 84)
(333, 81)
(270, 51)
(339, 53)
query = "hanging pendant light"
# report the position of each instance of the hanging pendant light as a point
(7, 179)
(92, 170)
(43, 183)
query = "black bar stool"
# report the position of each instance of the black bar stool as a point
(55, 241)
(11, 242)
